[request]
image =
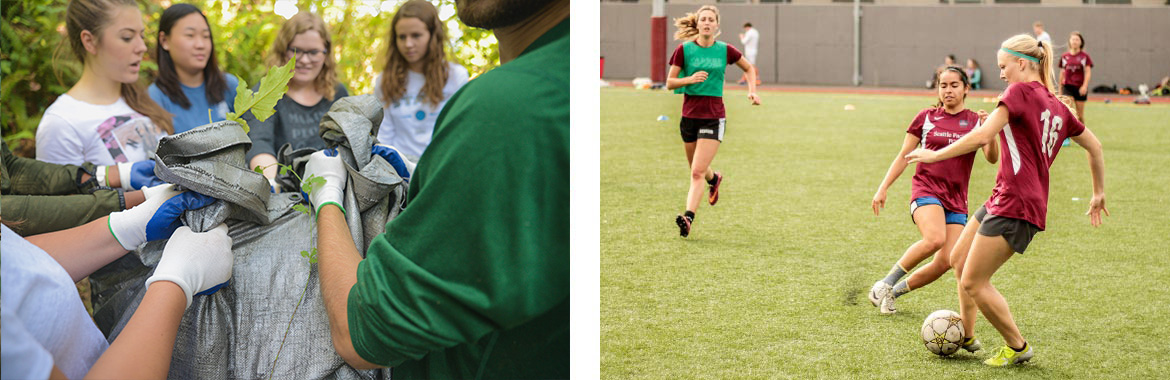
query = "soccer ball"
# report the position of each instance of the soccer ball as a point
(942, 332)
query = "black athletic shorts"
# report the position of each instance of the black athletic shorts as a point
(1017, 232)
(695, 129)
(1075, 93)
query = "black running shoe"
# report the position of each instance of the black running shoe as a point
(684, 225)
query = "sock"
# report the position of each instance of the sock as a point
(901, 288)
(895, 274)
(713, 180)
(690, 215)
(1021, 349)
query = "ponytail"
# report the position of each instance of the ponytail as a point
(688, 25)
(1040, 58)
(140, 102)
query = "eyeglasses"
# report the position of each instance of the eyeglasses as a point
(313, 55)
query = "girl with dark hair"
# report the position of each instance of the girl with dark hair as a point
(938, 191)
(1076, 71)
(105, 118)
(189, 82)
(417, 79)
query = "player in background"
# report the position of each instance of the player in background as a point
(938, 191)
(1077, 69)
(750, 38)
(1031, 121)
(697, 68)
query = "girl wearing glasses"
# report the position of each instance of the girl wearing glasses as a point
(312, 90)
(189, 82)
(417, 79)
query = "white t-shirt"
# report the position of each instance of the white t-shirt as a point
(44, 322)
(1044, 37)
(74, 132)
(751, 43)
(409, 123)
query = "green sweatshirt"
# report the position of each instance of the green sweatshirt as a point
(472, 279)
(39, 197)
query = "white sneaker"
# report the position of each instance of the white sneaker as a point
(887, 306)
(879, 291)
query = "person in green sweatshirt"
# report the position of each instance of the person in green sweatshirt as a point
(472, 279)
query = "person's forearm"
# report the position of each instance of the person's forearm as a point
(1097, 167)
(895, 171)
(81, 250)
(143, 349)
(337, 262)
(752, 79)
(673, 83)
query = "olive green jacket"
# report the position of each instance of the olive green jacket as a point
(38, 197)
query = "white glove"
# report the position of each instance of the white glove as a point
(196, 261)
(325, 164)
(129, 227)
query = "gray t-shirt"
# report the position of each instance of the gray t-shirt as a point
(292, 123)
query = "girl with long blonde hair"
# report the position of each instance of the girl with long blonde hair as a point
(697, 71)
(1031, 122)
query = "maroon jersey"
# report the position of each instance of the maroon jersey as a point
(1037, 123)
(1074, 67)
(946, 179)
(703, 107)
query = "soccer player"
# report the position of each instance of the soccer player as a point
(1077, 69)
(938, 191)
(696, 71)
(1031, 121)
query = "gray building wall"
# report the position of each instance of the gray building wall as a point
(901, 44)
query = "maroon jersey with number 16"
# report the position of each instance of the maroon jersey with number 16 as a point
(1037, 123)
(946, 179)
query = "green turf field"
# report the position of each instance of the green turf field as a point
(771, 283)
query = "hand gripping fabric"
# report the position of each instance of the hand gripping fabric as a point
(196, 262)
(326, 165)
(156, 218)
(235, 333)
(401, 165)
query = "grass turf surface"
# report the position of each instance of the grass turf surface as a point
(771, 283)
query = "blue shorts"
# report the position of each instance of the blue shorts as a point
(951, 216)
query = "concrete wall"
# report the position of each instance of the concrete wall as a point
(901, 44)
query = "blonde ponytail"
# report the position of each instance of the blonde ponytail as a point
(1042, 52)
(688, 26)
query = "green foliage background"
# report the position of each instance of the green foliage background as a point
(36, 64)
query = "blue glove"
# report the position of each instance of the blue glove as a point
(138, 175)
(401, 165)
(166, 218)
(156, 218)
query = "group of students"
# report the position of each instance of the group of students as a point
(440, 295)
(106, 119)
(1023, 134)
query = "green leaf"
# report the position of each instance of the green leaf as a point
(283, 169)
(258, 169)
(304, 253)
(272, 87)
(301, 207)
(243, 96)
